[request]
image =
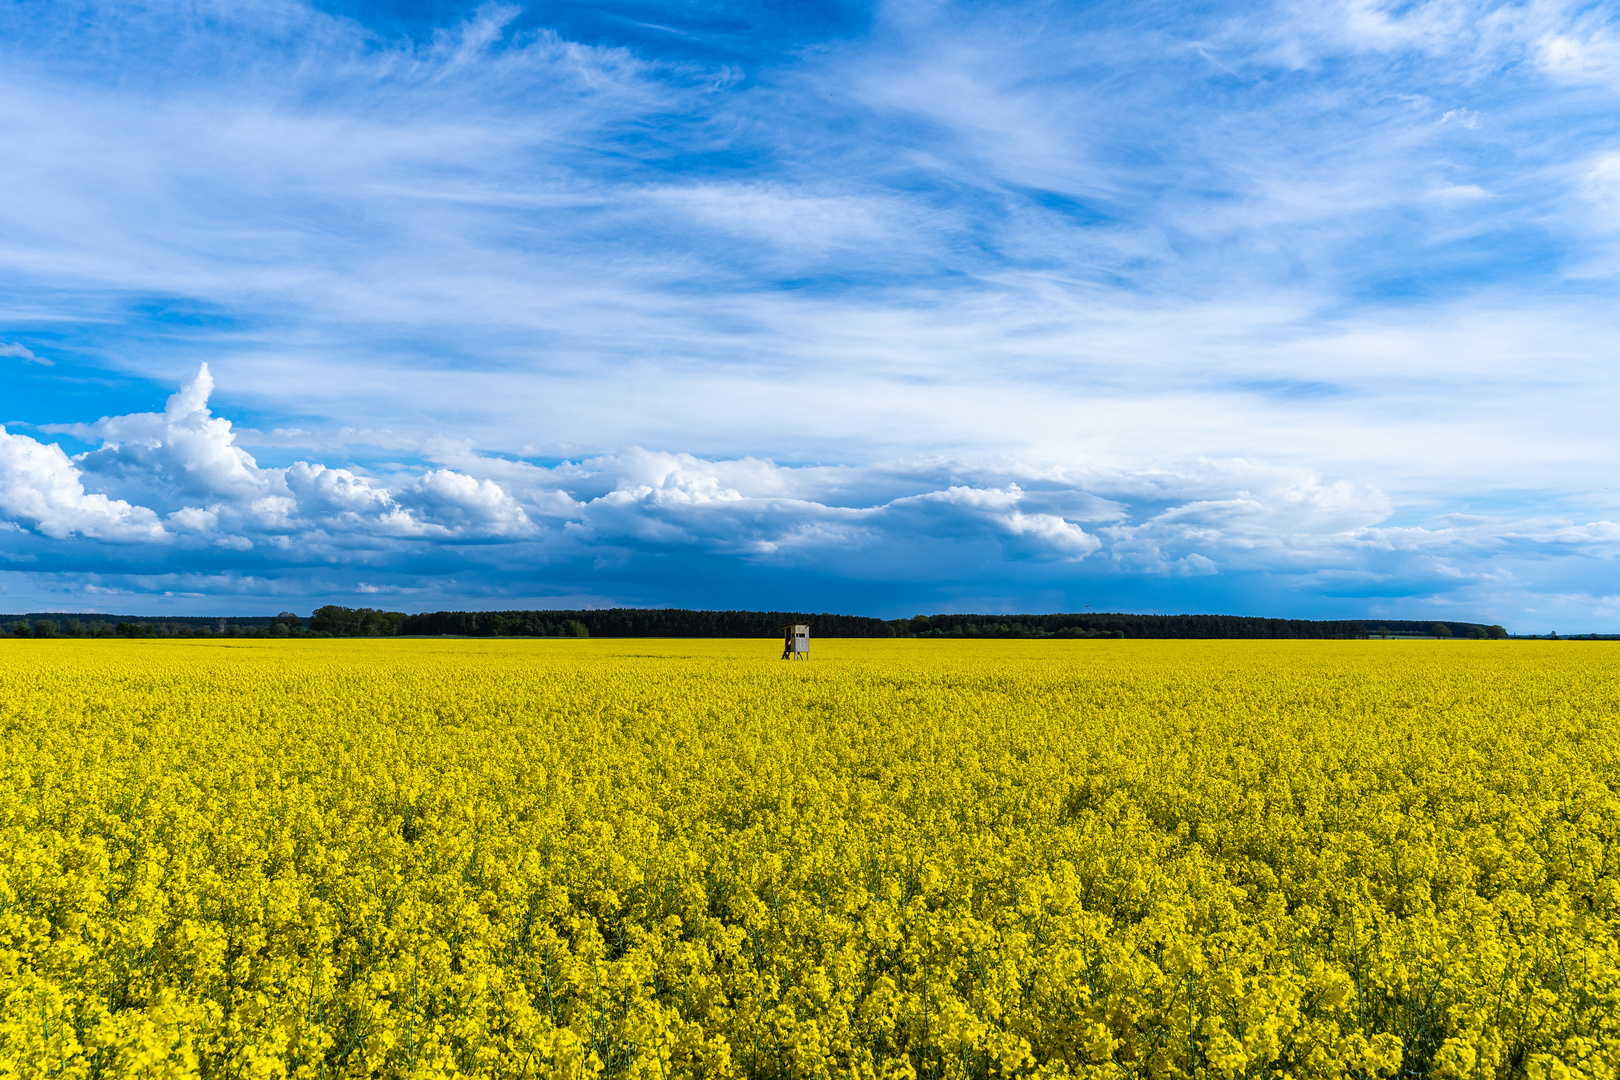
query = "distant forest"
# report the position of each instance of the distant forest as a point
(675, 622)
(63, 624)
(1167, 626)
(336, 621)
(639, 622)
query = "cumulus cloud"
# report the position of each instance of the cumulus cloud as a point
(462, 505)
(964, 512)
(183, 465)
(338, 493)
(168, 504)
(174, 483)
(41, 488)
(181, 456)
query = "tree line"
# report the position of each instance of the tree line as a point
(335, 620)
(1164, 626)
(639, 622)
(1413, 628)
(53, 624)
(683, 622)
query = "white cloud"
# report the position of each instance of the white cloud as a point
(183, 462)
(22, 352)
(465, 506)
(1464, 192)
(185, 458)
(1583, 53)
(787, 216)
(195, 519)
(182, 456)
(1204, 521)
(1194, 564)
(324, 492)
(964, 511)
(41, 488)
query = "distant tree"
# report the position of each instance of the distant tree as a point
(1477, 632)
(287, 619)
(1383, 631)
(1441, 630)
(1497, 632)
(44, 628)
(355, 622)
(278, 629)
(577, 628)
(331, 619)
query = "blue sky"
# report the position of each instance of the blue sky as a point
(1294, 309)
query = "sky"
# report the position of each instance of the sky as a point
(1287, 309)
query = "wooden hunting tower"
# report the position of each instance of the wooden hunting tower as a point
(796, 642)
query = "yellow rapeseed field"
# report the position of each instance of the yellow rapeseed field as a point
(1117, 859)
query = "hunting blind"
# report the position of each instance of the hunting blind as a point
(796, 642)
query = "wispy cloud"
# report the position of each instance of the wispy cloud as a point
(23, 352)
